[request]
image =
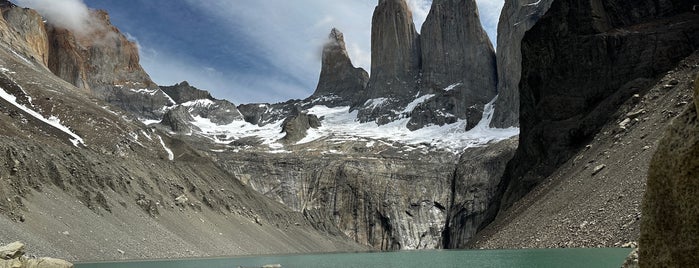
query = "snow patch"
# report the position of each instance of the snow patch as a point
(411, 106)
(452, 87)
(374, 103)
(145, 91)
(52, 120)
(170, 155)
(199, 103)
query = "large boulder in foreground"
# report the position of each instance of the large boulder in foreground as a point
(12, 256)
(670, 222)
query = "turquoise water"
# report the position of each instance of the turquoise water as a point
(539, 258)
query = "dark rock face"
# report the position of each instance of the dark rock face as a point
(456, 51)
(178, 119)
(183, 92)
(475, 190)
(580, 62)
(340, 82)
(395, 60)
(670, 222)
(516, 18)
(106, 64)
(456, 55)
(295, 126)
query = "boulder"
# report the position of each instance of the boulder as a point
(670, 222)
(12, 251)
(295, 126)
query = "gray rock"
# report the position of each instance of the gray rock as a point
(295, 126)
(12, 251)
(395, 61)
(340, 83)
(183, 92)
(516, 18)
(456, 53)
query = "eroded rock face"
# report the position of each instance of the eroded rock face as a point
(516, 18)
(475, 191)
(388, 200)
(395, 60)
(598, 54)
(340, 83)
(29, 27)
(105, 63)
(670, 222)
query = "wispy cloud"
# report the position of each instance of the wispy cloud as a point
(70, 14)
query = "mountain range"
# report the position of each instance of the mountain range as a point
(445, 144)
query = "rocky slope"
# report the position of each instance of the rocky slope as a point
(594, 199)
(516, 18)
(669, 231)
(597, 57)
(83, 181)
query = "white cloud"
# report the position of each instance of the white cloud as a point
(489, 11)
(420, 9)
(70, 14)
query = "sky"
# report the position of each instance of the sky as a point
(241, 50)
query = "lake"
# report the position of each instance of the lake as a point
(568, 258)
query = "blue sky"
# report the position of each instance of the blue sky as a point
(242, 50)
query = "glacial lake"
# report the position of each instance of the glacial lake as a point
(567, 258)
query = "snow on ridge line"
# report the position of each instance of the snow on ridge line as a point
(199, 102)
(52, 121)
(452, 137)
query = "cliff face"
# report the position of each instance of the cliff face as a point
(395, 62)
(395, 51)
(340, 83)
(27, 26)
(382, 196)
(106, 64)
(456, 50)
(458, 65)
(516, 18)
(475, 191)
(580, 62)
(670, 223)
